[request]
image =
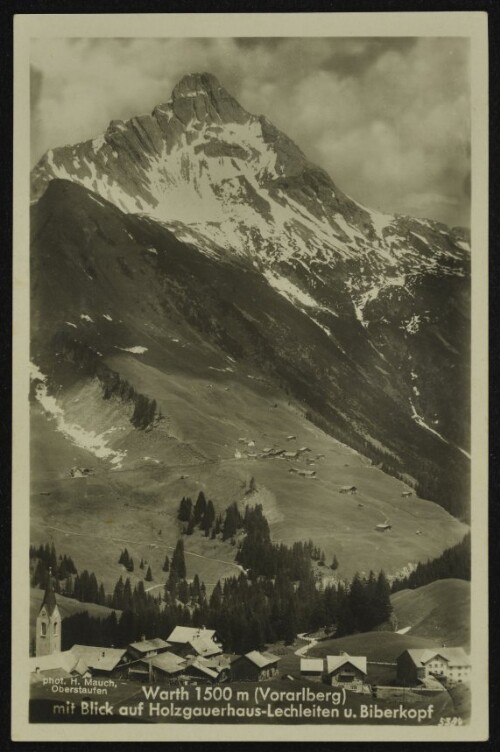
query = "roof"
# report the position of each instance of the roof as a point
(217, 662)
(167, 662)
(453, 656)
(312, 664)
(205, 646)
(144, 646)
(66, 660)
(261, 659)
(334, 662)
(102, 659)
(49, 598)
(204, 669)
(183, 635)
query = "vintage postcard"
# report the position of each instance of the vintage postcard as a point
(250, 375)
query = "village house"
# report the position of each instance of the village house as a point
(60, 665)
(163, 667)
(192, 641)
(406, 494)
(312, 668)
(450, 664)
(145, 648)
(101, 661)
(199, 671)
(347, 671)
(348, 490)
(254, 666)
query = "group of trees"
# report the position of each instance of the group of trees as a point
(200, 515)
(278, 597)
(126, 560)
(44, 558)
(263, 558)
(453, 562)
(143, 615)
(248, 614)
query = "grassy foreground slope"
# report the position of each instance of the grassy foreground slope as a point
(439, 611)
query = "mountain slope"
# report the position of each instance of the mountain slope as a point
(123, 309)
(440, 610)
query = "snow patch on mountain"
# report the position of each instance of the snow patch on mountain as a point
(136, 350)
(89, 440)
(288, 290)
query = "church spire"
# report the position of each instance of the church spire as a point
(49, 599)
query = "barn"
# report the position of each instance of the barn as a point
(255, 666)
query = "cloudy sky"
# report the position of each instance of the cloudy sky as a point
(388, 118)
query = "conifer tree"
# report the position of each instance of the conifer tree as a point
(178, 564)
(117, 597)
(199, 508)
(149, 575)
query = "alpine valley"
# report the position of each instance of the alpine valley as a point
(211, 312)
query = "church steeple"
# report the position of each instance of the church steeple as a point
(49, 599)
(48, 622)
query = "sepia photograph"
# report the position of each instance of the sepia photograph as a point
(250, 487)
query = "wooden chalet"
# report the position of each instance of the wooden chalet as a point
(347, 671)
(102, 661)
(163, 667)
(145, 648)
(255, 666)
(64, 664)
(197, 642)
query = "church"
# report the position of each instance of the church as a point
(48, 623)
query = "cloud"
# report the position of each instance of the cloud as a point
(387, 118)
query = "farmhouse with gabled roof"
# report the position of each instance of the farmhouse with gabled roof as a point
(416, 665)
(348, 671)
(254, 666)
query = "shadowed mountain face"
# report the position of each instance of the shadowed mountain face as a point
(203, 219)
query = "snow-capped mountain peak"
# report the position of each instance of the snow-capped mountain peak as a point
(233, 184)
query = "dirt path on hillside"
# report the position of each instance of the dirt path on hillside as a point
(310, 643)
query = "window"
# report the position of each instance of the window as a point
(345, 677)
(55, 628)
(43, 629)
